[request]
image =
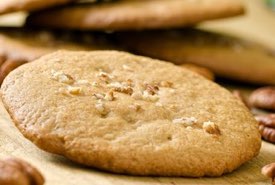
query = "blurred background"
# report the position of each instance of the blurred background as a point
(257, 24)
(243, 64)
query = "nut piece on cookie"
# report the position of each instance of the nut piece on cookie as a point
(100, 107)
(166, 84)
(109, 96)
(82, 82)
(17, 172)
(74, 90)
(62, 77)
(269, 171)
(152, 89)
(211, 128)
(104, 76)
(263, 98)
(185, 121)
(136, 107)
(121, 87)
(148, 96)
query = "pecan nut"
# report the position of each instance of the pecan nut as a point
(269, 171)
(267, 120)
(17, 172)
(263, 98)
(267, 133)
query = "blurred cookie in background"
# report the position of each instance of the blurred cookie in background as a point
(200, 70)
(9, 6)
(226, 56)
(135, 14)
(18, 46)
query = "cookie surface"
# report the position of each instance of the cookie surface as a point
(226, 56)
(8, 6)
(136, 14)
(130, 114)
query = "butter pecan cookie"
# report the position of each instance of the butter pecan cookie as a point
(135, 14)
(130, 114)
(226, 56)
(18, 46)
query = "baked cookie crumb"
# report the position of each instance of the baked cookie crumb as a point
(211, 128)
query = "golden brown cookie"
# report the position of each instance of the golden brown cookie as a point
(18, 46)
(18, 172)
(135, 14)
(226, 56)
(8, 6)
(130, 114)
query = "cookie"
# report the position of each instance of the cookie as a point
(8, 6)
(226, 56)
(14, 171)
(135, 14)
(130, 114)
(18, 46)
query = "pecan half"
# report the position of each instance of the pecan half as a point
(269, 171)
(267, 120)
(263, 98)
(267, 133)
(17, 172)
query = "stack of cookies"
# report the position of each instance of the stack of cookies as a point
(131, 114)
(226, 56)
